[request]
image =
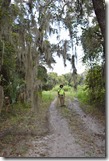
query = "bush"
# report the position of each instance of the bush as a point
(95, 82)
(66, 88)
(82, 94)
(56, 88)
(48, 96)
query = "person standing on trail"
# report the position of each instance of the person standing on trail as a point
(61, 95)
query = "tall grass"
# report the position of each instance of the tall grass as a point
(48, 96)
(69, 91)
(66, 88)
(82, 94)
(70, 94)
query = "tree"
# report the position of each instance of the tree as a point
(96, 88)
(6, 47)
(24, 31)
(92, 44)
(99, 8)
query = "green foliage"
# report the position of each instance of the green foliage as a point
(56, 88)
(9, 78)
(24, 124)
(96, 87)
(93, 92)
(92, 44)
(70, 94)
(66, 88)
(82, 94)
(48, 96)
(52, 79)
(42, 73)
(24, 43)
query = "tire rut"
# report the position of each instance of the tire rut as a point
(77, 136)
(62, 143)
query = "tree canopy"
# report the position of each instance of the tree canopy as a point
(25, 28)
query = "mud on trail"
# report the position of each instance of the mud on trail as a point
(72, 133)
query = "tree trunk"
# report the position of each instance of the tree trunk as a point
(29, 74)
(31, 79)
(99, 9)
(1, 98)
(35, 100)
(35, 95)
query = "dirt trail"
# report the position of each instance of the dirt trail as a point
(62, 142)
(86, 138)
(91, 123)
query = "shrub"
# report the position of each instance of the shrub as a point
(82, 94)
(66, 88)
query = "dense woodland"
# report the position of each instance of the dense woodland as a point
(26, 51)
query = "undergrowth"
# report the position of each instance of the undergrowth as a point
(21, 124)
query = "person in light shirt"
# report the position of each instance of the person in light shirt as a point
(61, 95)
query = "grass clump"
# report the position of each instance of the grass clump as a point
(48, 96)
(82, 94)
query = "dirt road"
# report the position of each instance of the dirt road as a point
(82, 136)
(63, 143)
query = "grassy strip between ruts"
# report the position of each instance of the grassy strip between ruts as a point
(21, 124)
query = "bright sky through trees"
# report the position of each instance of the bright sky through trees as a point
(59, 67)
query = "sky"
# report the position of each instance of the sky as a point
(59, 67)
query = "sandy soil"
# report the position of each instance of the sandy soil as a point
(85, 137)
(62, 143)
